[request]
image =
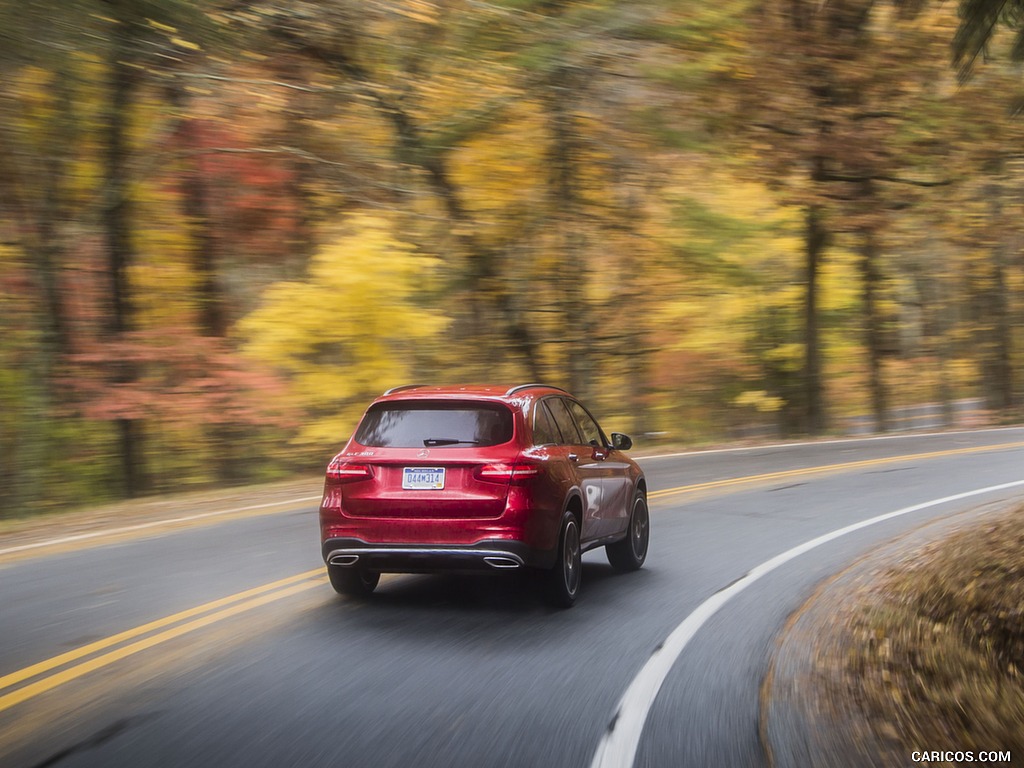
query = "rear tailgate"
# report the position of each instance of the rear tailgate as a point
(445, 487)
(427, 458)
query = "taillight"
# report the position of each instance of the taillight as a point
(344, 472)
(519, 472)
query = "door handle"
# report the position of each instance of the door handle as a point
(573, 457)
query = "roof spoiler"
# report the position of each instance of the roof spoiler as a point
(403, 387)
(528, 386)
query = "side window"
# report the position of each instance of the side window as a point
(588, 427)
(545, 432)
(564, 420)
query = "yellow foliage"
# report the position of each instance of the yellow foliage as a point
(351, 329)
(162, 279)
(760, 400)
(504, 169)
(840, 281)
(161, 27)
(419, 10)
(790, 356)
(183, 43)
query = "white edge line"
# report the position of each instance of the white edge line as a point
(153, 524)
(838, 441)
(619, 744)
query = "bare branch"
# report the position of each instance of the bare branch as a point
(251, 81)
(778, 129)
(858, 179)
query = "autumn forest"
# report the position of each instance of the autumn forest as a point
(227, 225)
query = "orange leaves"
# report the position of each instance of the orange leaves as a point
(182, 378)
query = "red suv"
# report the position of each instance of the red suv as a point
(480, 479)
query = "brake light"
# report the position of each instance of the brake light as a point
(519, 472)
(344, 472)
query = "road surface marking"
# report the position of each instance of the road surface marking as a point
(826, 468)
(621, 740)
(837, 441)
(93, 536)
(152, 524)
(259, 595)
(215, 611)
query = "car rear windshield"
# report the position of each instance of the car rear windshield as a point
(435, 425)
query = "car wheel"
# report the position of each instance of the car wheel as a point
(564, 579)
(353, 581)
(629, 553)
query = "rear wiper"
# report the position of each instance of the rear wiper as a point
(435, 441)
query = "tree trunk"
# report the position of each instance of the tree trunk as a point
(123, 79)
(816, 240)
(50, 246)
(298, 133)
(937, 323)
(212, 317)
(998, 365)
(873, 336)
(565, 203)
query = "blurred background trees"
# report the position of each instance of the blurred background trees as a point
(226, 225)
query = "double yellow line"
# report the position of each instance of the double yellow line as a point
(102, 653)
(149, 635)
(789, 473)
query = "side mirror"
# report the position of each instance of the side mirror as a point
(621, 442)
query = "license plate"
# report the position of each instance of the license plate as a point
(423, 478)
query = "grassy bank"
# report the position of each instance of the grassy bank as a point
(935, 654)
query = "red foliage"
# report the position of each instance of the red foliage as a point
(250, 190)
(179, 377)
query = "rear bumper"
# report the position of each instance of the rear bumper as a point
(483, 556)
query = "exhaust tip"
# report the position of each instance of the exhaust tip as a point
(496, 561)
(344, 559)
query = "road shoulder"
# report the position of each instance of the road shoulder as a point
(807, 714)
(57, 532)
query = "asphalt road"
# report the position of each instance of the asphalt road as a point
(223, 645)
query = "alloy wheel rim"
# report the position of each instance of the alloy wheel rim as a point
(571, 558)
(639, 537)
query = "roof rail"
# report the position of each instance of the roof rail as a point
(399, 389)
(527, 386)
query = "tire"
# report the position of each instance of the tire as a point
(630, 553)
(352, 581)
(563, 580)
